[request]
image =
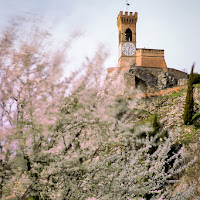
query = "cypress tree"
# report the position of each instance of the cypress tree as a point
(189, 102)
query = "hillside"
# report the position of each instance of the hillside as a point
(169, 109)
(74, 139)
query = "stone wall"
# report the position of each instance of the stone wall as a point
(155, 78)
(178, 74)
(150, 79)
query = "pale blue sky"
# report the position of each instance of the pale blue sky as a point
(172, 25)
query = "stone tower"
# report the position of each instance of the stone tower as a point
(127, 38)
(142, 68)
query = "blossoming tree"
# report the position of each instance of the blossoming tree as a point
(74, 139)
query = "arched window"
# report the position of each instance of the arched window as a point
(128, 35)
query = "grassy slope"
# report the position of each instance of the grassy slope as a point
(170, 111)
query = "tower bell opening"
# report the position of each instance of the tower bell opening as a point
(128, 35)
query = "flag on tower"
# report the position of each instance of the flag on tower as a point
(127, 4)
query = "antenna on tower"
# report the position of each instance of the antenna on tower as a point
(127, 5)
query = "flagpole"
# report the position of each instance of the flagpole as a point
(127, 4)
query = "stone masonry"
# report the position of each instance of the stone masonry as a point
(145, 69)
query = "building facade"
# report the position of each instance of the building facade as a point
(142, 68)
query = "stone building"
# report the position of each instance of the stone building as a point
(142, 68)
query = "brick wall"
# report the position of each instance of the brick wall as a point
(150, 58)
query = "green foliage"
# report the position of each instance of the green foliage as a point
(196, 85)
(195, 117)
(156, 125)
(177, 94)
(188, 137)
(80, 146)
(157, 132)
(196, 120)
(189, 102)
(196, 78)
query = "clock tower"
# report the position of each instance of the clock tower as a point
(127, 38)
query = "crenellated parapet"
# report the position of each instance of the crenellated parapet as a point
(127, 18)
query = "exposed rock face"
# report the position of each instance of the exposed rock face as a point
(145, 75)
(151, 79)
(162, 80)
(182, 82)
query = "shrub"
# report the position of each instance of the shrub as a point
(189, 102)
(196, 78)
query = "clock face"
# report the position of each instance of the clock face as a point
(128, 49)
